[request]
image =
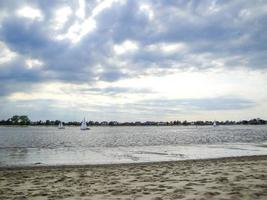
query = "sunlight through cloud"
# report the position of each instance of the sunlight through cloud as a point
(126, 47)
(61, 17)
(33, 63)
(6, 54)
(147, 9)
(31, 13)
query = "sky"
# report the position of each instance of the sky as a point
(133, 60)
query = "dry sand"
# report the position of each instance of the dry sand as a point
(228, 178)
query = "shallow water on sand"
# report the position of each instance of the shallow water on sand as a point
(104, 145)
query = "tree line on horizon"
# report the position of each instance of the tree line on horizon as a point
(24, 120)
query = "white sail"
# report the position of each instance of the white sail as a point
(214, 123)
(60, 126)
(83, 125)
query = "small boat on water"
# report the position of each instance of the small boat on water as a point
(214, 123)
(60, 126)
(84, 125)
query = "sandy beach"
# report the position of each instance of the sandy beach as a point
(226, 178)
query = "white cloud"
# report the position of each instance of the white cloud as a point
(203, 84)
(103, 5)
(33, 63)
(31, 13)
(147, 9)
(244, 13)
(81, 10)
(78, 30)
(6, 54)
(167, 47)
(61, 16)
(83, 26)
(127, 46)
(213, 8)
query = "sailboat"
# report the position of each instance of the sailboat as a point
(60, 126)
(214, 123)
(84, 126)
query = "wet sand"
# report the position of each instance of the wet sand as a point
(227, 178)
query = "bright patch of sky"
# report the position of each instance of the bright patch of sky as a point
(147, 10)
(61, 17)
(127, 46)
(32, 63)
(5, 54)
(133, 60)
(31, 13)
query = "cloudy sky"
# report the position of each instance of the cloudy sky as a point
(133, 60)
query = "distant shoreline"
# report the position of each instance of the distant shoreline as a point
(190, 125)
(24, 120)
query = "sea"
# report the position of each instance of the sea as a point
(49, 146)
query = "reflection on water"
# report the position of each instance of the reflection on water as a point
(51, 137)
(49, 145)
(17, 154)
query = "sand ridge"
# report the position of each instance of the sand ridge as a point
(229, 178)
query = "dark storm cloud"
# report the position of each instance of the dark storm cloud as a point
(234, 31)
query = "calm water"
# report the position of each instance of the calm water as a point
(103, 145)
